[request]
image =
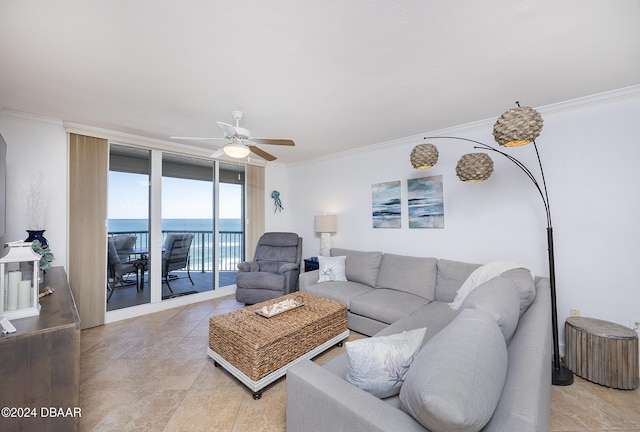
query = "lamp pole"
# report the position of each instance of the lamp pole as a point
(560, 375)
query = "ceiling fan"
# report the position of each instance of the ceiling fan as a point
(238, 141)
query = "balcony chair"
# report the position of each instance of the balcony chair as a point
(117, 269)
(274, 270)
(176, 256)
(124, 244)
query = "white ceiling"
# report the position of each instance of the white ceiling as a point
(329, 74)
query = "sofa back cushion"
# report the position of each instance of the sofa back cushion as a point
(524, 283)
(500, 299)
(414, 275)
(456, 380)
(360, 266)
(451, 276)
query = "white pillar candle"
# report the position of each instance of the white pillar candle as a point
(14, 278)
(24, 294)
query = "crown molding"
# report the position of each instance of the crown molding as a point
(630, 92)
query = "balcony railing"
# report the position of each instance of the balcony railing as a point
(201, 254)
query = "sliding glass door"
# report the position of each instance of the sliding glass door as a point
(231, 221)
(187, 225)
(128, 247)
(197, 213)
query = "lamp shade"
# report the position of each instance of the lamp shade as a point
(517, 126)
(424, 156)
(326, 223)
(474, 167)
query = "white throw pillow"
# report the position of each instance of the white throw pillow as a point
(331, 269)
(379, 364)
(479, 276)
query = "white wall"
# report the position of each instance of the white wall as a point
(36, 146)
(276, 179)
(589, 150)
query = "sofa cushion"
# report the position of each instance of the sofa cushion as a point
(414, 275)
(500, 299)
(361, 266)
(480, 275)
(451, 276)
(331, 269)
(456, 380)
(386, 305)
(434, 316)
(525, 284)
(378, 365)
(339, 291)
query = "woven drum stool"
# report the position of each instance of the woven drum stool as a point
(602, 352)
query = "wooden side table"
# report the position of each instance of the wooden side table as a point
(602, 352)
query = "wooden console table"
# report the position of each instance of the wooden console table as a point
(602, 352)
(40, 364)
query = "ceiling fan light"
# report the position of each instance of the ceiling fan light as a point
(236, 150)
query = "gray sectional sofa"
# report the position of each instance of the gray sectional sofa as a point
(485, 366)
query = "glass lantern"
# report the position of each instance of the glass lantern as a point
(19, 271)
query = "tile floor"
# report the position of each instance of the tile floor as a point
(152, 373)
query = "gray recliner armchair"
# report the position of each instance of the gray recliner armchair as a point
(274, 270)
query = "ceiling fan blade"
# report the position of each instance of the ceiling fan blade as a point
(263, 154)
(273, 141)
(194, 138)
(217, 153)
(229, 130)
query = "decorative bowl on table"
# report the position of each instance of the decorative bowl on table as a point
(280, 307)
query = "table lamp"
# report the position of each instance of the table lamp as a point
(325, 225)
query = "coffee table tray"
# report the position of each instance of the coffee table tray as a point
(286, 306)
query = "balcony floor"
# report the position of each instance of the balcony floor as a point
(128, 296)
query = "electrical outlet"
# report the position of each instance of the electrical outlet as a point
(574, 312)
(634, 323)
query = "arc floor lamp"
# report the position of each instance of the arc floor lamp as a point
(516, 127)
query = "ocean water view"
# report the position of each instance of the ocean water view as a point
(231, 247)
(187, 225)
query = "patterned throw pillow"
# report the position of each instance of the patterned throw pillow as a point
(379, 364)
(331, 269)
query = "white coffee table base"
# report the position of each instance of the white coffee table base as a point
(260, 384)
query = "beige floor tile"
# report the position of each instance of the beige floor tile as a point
(172, 374)
(263, 415)
(191, 347)
(202, 329)
(207, 410)
(570, 405)
(143, 411)
(152, 348)
(180, 328)
(117, 374)
(213, 377)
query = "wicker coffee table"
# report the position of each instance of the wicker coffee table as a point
(259, 350)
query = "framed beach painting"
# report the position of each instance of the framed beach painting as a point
(425, 202)
(386, 210)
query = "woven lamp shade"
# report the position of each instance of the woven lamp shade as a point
(424, 156)
(517, 126)
(474, 167)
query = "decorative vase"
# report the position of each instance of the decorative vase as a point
(37, 235)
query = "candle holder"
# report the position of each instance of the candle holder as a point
(19, 270)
